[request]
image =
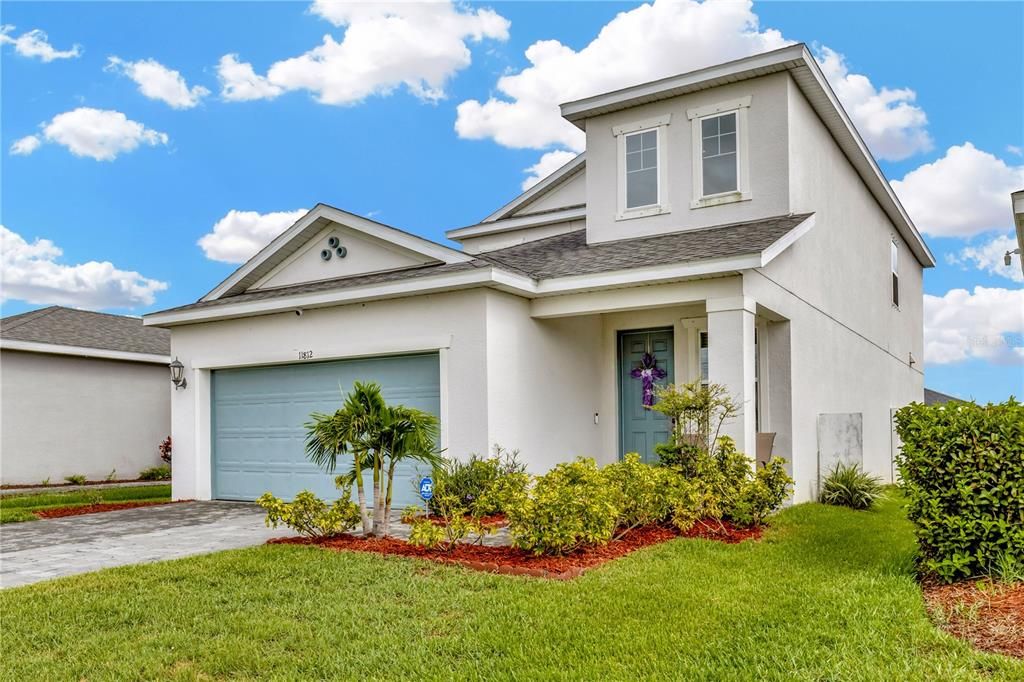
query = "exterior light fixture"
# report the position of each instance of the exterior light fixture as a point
(1008, 257)
(178, 374)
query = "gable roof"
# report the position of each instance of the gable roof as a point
(569, 255)
(55, 328)
(801, 65)
(935, 398)
(559, 264)
(306, 227)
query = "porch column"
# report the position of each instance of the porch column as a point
(731, 363)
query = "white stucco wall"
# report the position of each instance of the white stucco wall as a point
(768, 161)
(849, 346)
(62, 415)
(453, 323)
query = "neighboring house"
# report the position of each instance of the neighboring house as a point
(1017, 200)
(81, 393)
(935, 398)
(730, 222)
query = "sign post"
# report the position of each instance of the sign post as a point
(426, 492)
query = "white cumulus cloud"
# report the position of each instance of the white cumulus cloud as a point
(964, 193)
(158, 82)
(988, 256)
(385, 45)
(986, 324)
(36, 43)
(661, 39)
(100, 134)
(547, 165)
(31, 272)
(240, 234)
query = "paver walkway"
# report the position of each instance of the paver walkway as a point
(40, 550)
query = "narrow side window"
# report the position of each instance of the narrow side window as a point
(894, 262)
(642, 169)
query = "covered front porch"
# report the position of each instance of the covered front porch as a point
(705, 330)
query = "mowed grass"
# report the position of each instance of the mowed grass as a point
(827, 594)
(16, 508)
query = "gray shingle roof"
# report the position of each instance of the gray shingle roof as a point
(563, 255)
(61, 326)
(569, 254)
(935, 398)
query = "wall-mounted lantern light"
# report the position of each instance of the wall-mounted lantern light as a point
(178, 374)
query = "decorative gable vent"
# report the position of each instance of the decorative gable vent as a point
(334, 247)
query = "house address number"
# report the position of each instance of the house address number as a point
(305, 355)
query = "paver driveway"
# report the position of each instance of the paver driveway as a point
(40, 550)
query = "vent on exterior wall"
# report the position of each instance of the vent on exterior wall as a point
(334, 247)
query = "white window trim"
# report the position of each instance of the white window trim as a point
(696, 115)
(894, 269)
(660, 125)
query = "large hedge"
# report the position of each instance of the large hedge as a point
(963, 468)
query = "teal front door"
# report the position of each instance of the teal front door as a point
(641, 428)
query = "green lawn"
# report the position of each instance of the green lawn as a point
(16, 508)
(826, 595)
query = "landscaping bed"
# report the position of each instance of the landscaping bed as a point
(514, 561)
(78, 510)
(986, 613)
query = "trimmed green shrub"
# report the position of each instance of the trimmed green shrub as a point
(962, 467)
(569, 507)
(847, 485)
(308, 515)
(75, 479)
(763, 494)
(160, 473)
(641, 493)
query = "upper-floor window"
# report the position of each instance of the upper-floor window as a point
(642, 167)
(719, 158)
(720, 163)
(894, 266)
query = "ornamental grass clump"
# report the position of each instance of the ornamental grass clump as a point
(847, 485)
(962, 466)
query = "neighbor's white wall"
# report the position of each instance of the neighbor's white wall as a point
(456, 319)
(768, 133)
(365, 254)
(62, 415)
(849, 345)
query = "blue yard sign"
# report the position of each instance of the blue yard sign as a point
(427, 488)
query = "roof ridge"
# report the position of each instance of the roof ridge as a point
(29, 316)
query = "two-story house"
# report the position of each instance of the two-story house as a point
(730, 222)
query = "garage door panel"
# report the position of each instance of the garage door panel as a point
(259, 413)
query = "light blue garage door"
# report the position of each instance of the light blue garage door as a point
(258, 415)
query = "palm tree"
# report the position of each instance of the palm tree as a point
(378, 436)
(347, 431)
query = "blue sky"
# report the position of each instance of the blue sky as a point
(937, 88)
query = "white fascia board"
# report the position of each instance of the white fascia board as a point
(82, 351)
(540, 188)
(783, 242)
(346, 219)
(519, 223)
(579, 110)
(421, 285)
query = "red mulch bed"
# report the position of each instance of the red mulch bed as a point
(59, 512)
(514, 561)
(989, 615)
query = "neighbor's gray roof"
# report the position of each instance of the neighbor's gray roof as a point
(569, 254)
(563, 255)
(935, 398)
(61, 326)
